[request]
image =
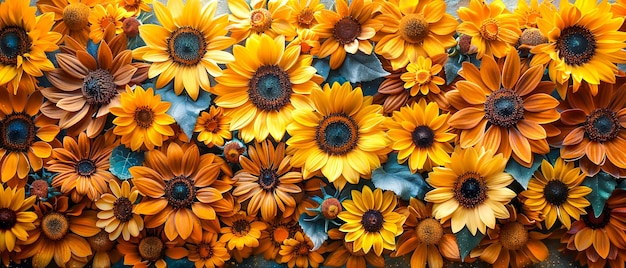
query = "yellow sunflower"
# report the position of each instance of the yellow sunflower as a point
(241, 231)
(303, 13)
(343, 255)
(371, 222)
(421, 76)
(529, 13)
(213, 127)
(494, 30)
(141, 119)
(117, 216)
(261, 89)
(135, 6)
(584, 43)
(298, 252)
(150, 248)
(471, 190)
(308, 41)
(414, 28)
(104, 16)
(71, 17)
(556, 192)
(343, 137)
(208, 252)
(25, 39)
(25, 135)
(260, 17)
(188, 47)
(420, 134)
(347, 30)
(267, 180)
(16, 221)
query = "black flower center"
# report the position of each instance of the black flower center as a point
(76, 16)
(268, 179)
(151, 248)
(17, 132)
(602, 125)
(337, 134)
(8, 218)
(99, 87)
(423, 136)
(413, 28)
(513, 236)
(260, 20)
(180, 192)
(346, 30)
(144, 116)
(556, 192)
(504, 108)
(241, 227)
(372, 221)
(123, 209)
(186, 46)
(54, 226)
(470, 189)
(269, 88)
(85, 167)
(429, 231)
(597, 223)
(576, 45)
(101, 242)
(14, 41)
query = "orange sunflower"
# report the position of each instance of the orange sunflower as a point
(188, 47)
(104, 251)
(347, 30)
(241, 231)
(494, 30)
(303, 13)
(142, 119)
(260, 17)
(213, 127)
(421, 76)
(471, 190)
(117, 211)
(261, 89)
(277, 231)
(267, 180)
(24, 134)
(529, 13)
(150, 248)
(135, 6)
(504, 110)
(414, 28)
(15, 220)
(208, 252)
(584, 43)
(103, 16)
(71, 17)
(298, 251)
(343, 255)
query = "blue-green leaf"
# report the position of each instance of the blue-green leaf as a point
(399, 179)
(602, 185)
(621, 185)
(313, 227)
(361, 67)
(184, 109)
(122, 159)
(467, 241)
(255, 261)
(322, 66)
(521, 173)
(370, 88)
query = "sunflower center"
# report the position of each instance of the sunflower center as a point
(39, 188)
(280, 234)
(85, 167)
(186, 46)
(14, 41)
(489, 29)
(54, 226)
(17, 132)
(76, 16)
(422, 76)
(101, 242)
(346, 30)
(337, 134)
(513, 236)
(8, 218)
(576, 45)
(268, 179)
(205, 251)
(532, 37)
(429, 231)
(302, 249)
(413, 28)
(260, 20)
(470, 189)
(423, 136)
(372, 221)
(211, 126)
(144, 116)
(556, 192)
(305, 18)
(331, 208)
(602, 125)
(123, 209)
(241, 227)
(180, 192)
(99, 87)
(151, 248)
(504, 108)
(233, 150)
(269, 88)
(597, 223)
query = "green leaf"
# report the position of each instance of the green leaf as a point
(361, 67)
(602, 185)
(467, 241)
(399, 179)
(184, 109)
(521, 173)
(122, 159)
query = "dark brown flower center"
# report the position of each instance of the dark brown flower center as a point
(599, 222)
(101, 242)
(14, 41)
(346, 30)
(241, 227)
(76, 16)
(205, 251)
(372, 221)
(602, 125)
(180, 192)
(232, 151)
(270, 88)
(151, 248)
(17, 132)
(186, 46)
(413, 28)
(305, 18)
(470, 189)
(331, 208)
(337, 134)
(39, 188)
(8, 218)
(489, 29)
(85, 167)
(268, 179)
(123, 209)
(429, 231)
(302, 249)
(513, 236)
(423, 136)
(576, 45)
(556, 192)
(54, 226)
(260, 20)
(99, 87)
(504, 108)
(144, 116)
(212, 125)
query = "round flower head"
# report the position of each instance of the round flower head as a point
(260, 17)
(15, 220)
(117, 216)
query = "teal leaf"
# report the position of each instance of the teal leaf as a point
(521, 173)
(184, 109)
(313, 227)
(399, 179)
(322, 66)
(122, 159)
(370, 88)
(602, 185)
(467, 241)
(334, 76)
(621, 185)
(180, 263)
(254, 261)
(361, 67)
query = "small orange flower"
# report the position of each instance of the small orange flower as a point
(213, 127)
(102, 17)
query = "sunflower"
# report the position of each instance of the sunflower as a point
(512, 243)
(241, 231)
(117, 215)
(343, 255)
(371, 222)
(343, 137)
(347, 30)
(177, 189)
(150, 248)
(494, 30)
(426, 237)
(583, 43)
(303, 13)
(504, 110)
(556, 192)
(25, 135)
(277, 231)
(267, 180)
(470, 190)
(188, 47)
(308, 41)
(213, 127)
(71, 17)
(260, 17)
(104, 251)
(261, 89)
(142, 119)
(421, 76)
(420, 134)
(298, 252)
(208, 252)
(414, 29)
(25, 39)
(529, 13)
(104, 16)
(15, 221)
(618, 8)
(135, 6)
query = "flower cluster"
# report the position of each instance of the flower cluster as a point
(286, 132)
